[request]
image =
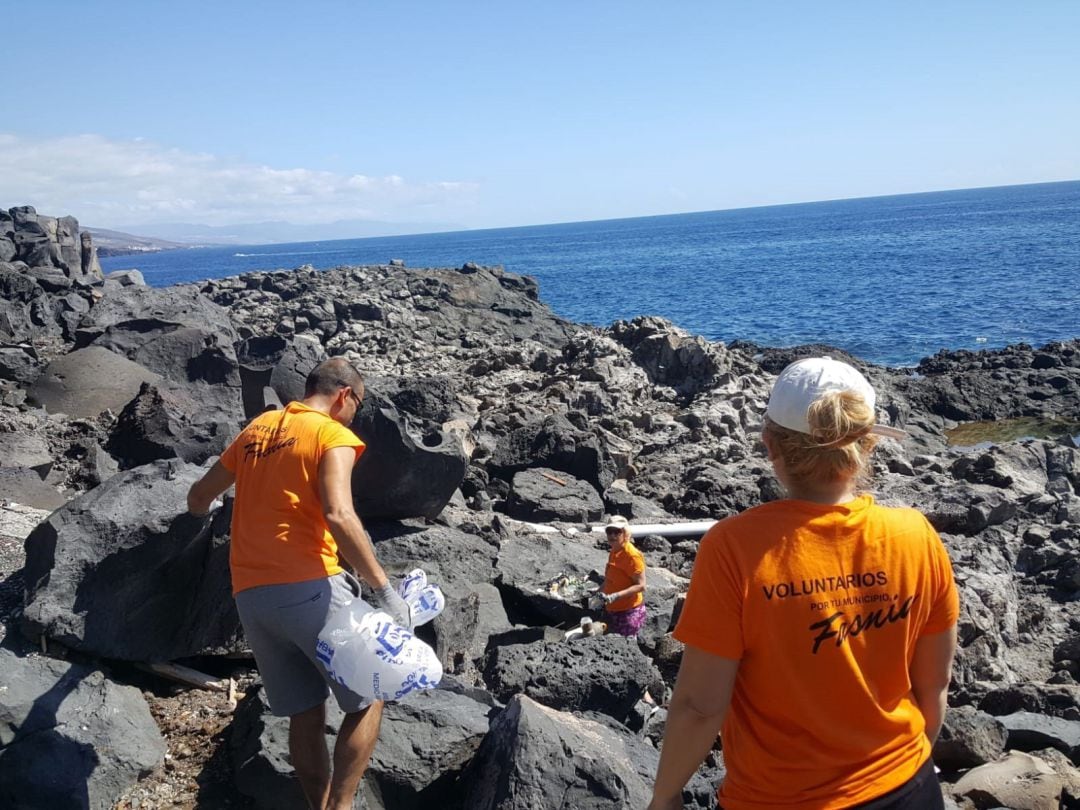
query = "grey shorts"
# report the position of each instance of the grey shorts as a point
(282, 624)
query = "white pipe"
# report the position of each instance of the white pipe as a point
(690, 529)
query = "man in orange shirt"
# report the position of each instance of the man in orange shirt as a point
(292, 518)
(623, 590)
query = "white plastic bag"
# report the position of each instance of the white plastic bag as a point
(363, 649)
(366, 651)
(425, 599)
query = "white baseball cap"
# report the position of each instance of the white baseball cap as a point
(617, 522)
(804, 381)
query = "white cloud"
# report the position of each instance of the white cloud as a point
(106, 182)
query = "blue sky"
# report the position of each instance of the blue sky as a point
(479, 114)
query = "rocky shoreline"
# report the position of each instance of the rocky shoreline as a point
(486, 413)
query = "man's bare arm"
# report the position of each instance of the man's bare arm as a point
(335, 491)
(202, 493)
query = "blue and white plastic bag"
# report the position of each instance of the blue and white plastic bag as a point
(366, 651)
(425, 599)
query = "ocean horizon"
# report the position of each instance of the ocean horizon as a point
(889, 279)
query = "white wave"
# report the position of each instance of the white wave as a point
(289, 253)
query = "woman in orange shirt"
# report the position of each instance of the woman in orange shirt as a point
(819, 629)
(623, 591)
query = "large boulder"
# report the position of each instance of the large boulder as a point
(1030, 732)
(1019, 781)
(52, 248)
(607, 674)
(451, 557)
(124, 278)
(183, 354)
(19, 363)
(51, 279)
(662, 593)
(24, 486)
(29, 450)
(89, 381)
(257, 357)
(177, 334)
(537, 758)
(167, 420)
(88, 258)
(544, 578)
(34, 247)
(295, 362)
(491, 619)
(968, 738)
(463, 566)
(70, 245)
(70, 738)
(540, 495)
(425, 742)
(28, 312)
(152, 312)
(124, 572)
(434, 400)
(554, 442)
(670, 356)
(403, 474)
(503, 307)
(16, 285)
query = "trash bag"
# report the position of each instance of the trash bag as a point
(425, 599)
(364, 649)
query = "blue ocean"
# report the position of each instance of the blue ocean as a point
(889, 279)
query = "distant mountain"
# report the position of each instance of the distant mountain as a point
(117, 243)
(269, 233)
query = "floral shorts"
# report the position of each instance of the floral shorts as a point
(626, 622)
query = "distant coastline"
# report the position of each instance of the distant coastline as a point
(131, 250)
(117, 243)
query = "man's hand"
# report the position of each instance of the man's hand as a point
(389, 601)
(204, 492)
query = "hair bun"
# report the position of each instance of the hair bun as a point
(838, 418)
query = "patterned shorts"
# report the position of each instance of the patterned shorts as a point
(626, 622)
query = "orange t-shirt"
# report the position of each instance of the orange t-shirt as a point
(622, 566)
(822, 606)
(278, 531)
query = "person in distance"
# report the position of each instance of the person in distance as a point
(819, 629)
(623, 591)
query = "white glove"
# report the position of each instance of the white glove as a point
(608, 598)
(388, 600)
